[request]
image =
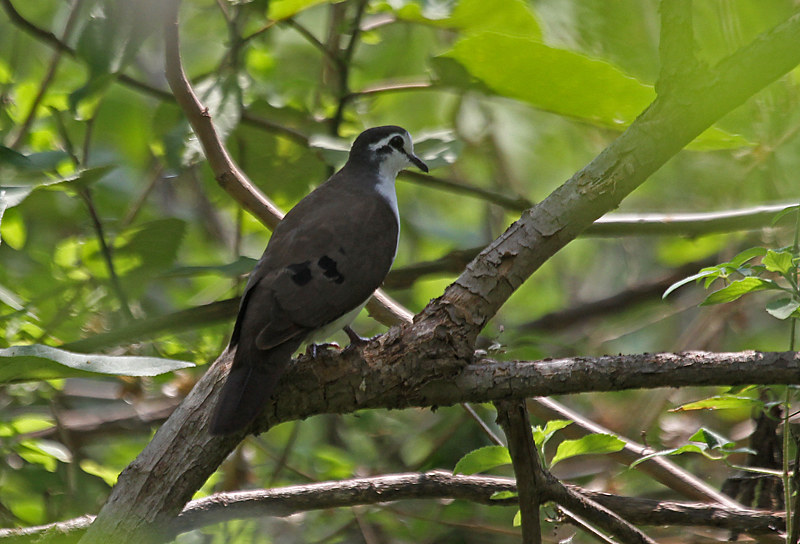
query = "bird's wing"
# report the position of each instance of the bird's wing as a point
(321, 262)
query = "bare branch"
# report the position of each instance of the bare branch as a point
(436, 484)
(531, 479)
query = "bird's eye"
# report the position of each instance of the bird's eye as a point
(397, 142)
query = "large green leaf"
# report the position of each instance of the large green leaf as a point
(39, 362)
(783, 307)
(512, 17)
(737, 289)
(552, 79)
(592, 444)
(283, 9)
(778, 261)
(482, 459)
(560, 81)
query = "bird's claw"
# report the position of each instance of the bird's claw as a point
(314, 349)
(356, 341)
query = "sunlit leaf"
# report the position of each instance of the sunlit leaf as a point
(778, 261)
(591, 444)
(512, 17)
(746, 255)
(108, 475)
(737, 289)
(283, 9)
(720, 402)
(482, 459)
(37, 362)
(542, 436)
(702, 274)
(553, 79)
(498, 495)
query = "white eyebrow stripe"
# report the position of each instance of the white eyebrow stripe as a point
(383, 142)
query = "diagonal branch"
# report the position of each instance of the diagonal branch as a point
(227, 173)
(666, 126)
(427, 362)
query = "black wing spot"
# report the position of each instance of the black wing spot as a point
(330, 270)
(301, 273)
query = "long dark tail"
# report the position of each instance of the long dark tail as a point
(250, 384)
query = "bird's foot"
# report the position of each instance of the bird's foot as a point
(356, 340)
(314, 349)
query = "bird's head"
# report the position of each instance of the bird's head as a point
(389, 148)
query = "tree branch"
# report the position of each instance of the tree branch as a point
(427, 362)
(437, 484)
(531, 479)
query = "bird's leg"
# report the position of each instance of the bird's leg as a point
(356, 340)
(312, 350)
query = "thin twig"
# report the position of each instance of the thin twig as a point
(345, 64)
(116, 286)
(228, 174)
(49, 75)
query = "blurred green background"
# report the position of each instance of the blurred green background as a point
(507, 98)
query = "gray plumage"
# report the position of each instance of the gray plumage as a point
(322, 263)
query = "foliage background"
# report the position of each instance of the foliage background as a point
(517, 97)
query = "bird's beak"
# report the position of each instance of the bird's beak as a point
(416, 161)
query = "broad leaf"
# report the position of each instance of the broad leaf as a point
(283, 9)
(591, 444)
(713, 440)
(783, 308)
(541, 436)
(482, 459)
(746, 255)
(511, 17)
(737, 289)
(39, 362)
(778, 261)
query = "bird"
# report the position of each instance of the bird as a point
(322, 263)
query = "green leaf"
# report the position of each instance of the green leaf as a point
(482, 459)
(94, 468)
(783, 308)
(498, 495)
(747, 255)
(706, 272)
(781, 214)
(737, 289)
(780, 262)
(713, 440)
(283, 9)
(517, 521)
(46, 453)
(39, 362)
(553, 79)
(720, 402)
(587, 445)
(13, 158)
(151, 246)
(541, 436)
(511, 17)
